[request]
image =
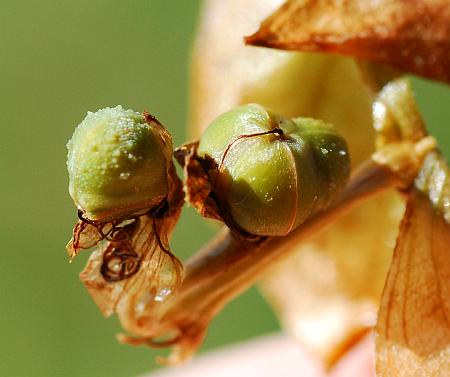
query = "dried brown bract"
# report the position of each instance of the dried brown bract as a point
(413, 330)
(132, 271)
(198, 186)
(413, 36)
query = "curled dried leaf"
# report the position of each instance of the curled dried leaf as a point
(411, 36)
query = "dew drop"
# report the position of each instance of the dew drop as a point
(162, 294)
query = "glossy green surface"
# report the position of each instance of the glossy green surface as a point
(270, 183)
(116, 162)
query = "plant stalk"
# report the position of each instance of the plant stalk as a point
(227, 266)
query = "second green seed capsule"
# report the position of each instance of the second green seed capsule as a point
(273, 172)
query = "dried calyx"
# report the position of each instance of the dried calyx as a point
(129, 198)
(263, 174)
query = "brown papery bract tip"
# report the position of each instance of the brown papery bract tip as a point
(414, 38)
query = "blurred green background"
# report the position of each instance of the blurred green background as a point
(57, 61)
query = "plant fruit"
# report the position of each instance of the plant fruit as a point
(117, 163)
(273, 172)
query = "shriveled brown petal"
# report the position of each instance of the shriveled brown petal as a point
(413, 330)
(133, 281)
(413, 36)
(197, 184)
(133, 273)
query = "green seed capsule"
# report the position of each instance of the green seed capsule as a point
(273, 172)
(117, 163)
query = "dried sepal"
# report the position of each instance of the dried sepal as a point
(413, 37)
(413, 330)
(197, 183)
(132, 271)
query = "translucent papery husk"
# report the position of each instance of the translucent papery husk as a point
(413, 36)
(198, 188)
(321, 293)
(132, 271)
(413, 329)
